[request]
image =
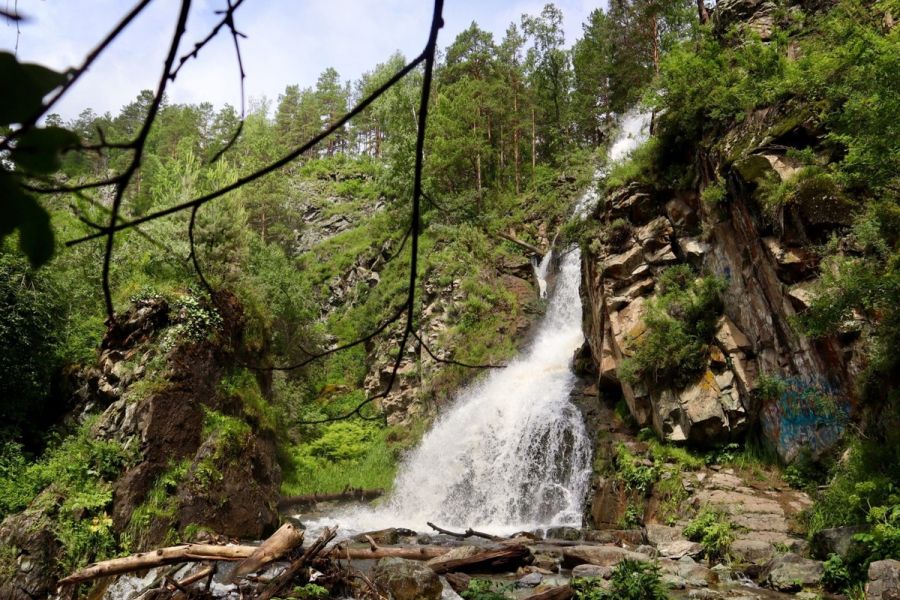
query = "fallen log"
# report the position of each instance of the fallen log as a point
(522, 244)
(348, 494)
(407, 552)
(208, 552)
(158, 558)
(288, 575)
(277, 545)
(507, 558)
(562, 592)
(467, 533)
(459, 582)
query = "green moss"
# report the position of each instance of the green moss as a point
(159, 507)
(243, 384)
(8, 565)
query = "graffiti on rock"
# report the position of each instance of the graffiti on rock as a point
(803, 415)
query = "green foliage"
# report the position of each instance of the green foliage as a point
(243, 384)
(634, 471)
(483, 589)
(836, 576)
(631, 580)
(714, 194)
(195, 320)
(642, 166)
(309, 591)
(158, 508)
(680, 323)
(713, 530)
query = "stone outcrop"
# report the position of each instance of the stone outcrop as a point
(230, 479)
(884, 580)
(769, 270)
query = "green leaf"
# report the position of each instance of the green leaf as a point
(29, 84)
(38, 150)
(21, 211)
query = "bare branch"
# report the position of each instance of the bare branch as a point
(193, 255)
(76, 74)
(450, 361)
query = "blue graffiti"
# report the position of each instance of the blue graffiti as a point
(807, 415)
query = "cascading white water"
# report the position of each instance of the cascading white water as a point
(511, 454)
(541, 271)
(633, 131)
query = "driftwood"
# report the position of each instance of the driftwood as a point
(467, 533)
(208, 552)
(288, 575)
(511, 238)
(277, 545)
(158, 558)
(459, 582)
(347, 494)
(562, 592)
(507, 558)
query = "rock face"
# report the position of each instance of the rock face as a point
(769, 274)
(406, 579)
(884, 580)
(230, 478)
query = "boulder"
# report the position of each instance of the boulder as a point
(455, 554)
(596, 571)
(835, 540)
(679, 548)
(529, 581)
(407, 579)
(791, 573)
(756, 15)
(703, 413)
(604, 556)
(752, 552)
(884, 580)
(621, 266)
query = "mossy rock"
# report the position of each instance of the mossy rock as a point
(754, 168)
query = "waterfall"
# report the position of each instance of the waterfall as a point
(511, 453)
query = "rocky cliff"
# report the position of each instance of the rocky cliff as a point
(760, 373)
(192, 436)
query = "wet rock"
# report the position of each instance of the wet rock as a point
(529, 581)
(564, 533)
(695, 574)
(884, 580)
(619, 537)
(604, 556)
(790, 573)
(406, 579)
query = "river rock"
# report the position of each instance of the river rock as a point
(596, 571)
(407, 579)
(529, 581)
(790, 573)
(604, 556)
(884, 580)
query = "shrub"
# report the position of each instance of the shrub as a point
(713, 531)
(713, 194)
(482, 589)
(631, 469)
(836, 576)
(680, 324)
(631, 580)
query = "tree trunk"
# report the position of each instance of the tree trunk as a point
(702, 13)
(350, 494)
(562, 592)
(508, 558)
(516, 140)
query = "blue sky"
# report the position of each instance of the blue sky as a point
(289, 41)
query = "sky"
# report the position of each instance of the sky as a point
(288, 42)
